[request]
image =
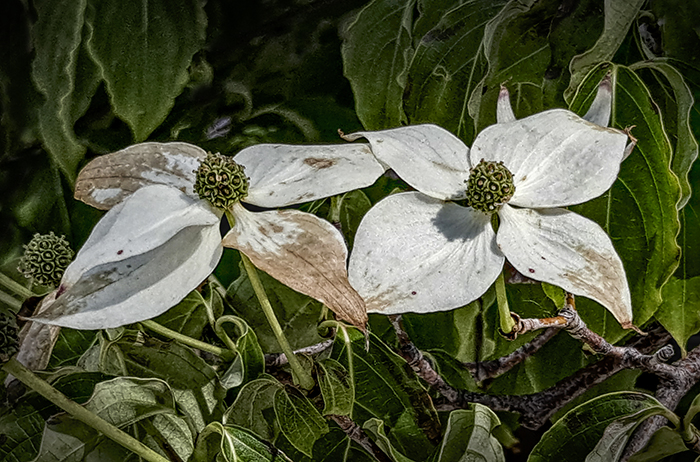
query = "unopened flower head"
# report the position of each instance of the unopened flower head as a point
(490, 185)
(45, 259)
(221, 181)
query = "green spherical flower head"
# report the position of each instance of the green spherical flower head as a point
(9, 339)
(490, 186)
(45, 259)
(221, 181)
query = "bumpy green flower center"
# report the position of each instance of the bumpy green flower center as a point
(45, 259)
(221, 181)
(490, 186)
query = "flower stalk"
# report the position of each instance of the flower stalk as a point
(42, 387)
(301, 376)
(505, 319)
(189, 341)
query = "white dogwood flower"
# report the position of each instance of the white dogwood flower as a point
(160, 239)
(424, 252)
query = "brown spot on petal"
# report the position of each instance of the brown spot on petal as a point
(319, 163)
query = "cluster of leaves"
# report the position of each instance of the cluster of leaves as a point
(98, 76)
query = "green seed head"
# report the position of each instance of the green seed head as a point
(45, 259)
(490, 186)
(221, 181)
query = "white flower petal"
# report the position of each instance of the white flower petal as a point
(108, 179)
(143, 222)
(504, 111)
(427, 157)
(414, 253)
(107, 289)
(565, 249)
(301, 251)
(282, 175)
(556, 157)
(601, 107)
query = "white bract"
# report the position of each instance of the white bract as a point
(421, 252)
(159, 240)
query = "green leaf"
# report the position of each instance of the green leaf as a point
(386, 388)
(575, 435)
(250, 410)
(675, 104)
(190, 316)
(297, 314)
(353, 206)
(639, 211)
(664, 443)
(22, 426)
(126, 400)
(299, 420)
(375, 427)
(516, 47)
(194, 383)
(122, 401)
(65, 76)
(337, 388)
(249, 363)
(679, 313)
(70, 346)
(619, 16)
(376, 52)
(447, 66)
(161, 37)
(469, 436)
(614, 440)
(232, 444)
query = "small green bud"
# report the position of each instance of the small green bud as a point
(45, 259)
(221, 181)
(9, 338)
(490, 185)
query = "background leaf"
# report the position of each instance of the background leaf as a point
(161, 36)
(376, 51)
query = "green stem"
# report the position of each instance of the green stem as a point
(506, 320)
(15, 287)
(301, 376)
(189, 341)
(32, 381)
(10, 300)
(221, 333)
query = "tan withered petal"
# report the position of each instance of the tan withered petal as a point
(36, 340)
(108, 179)
(301, 251)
